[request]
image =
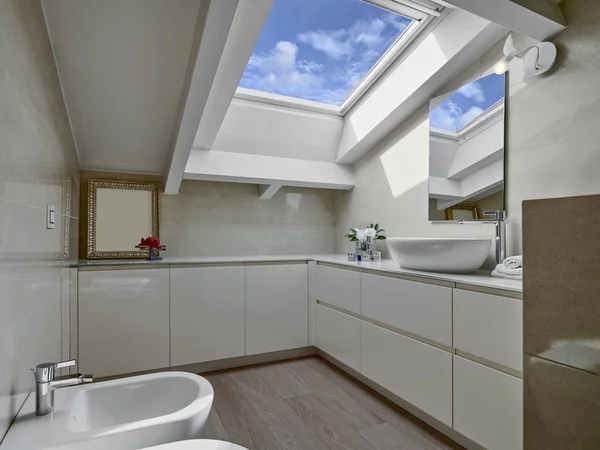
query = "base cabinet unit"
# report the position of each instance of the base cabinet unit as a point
(207, 314)
(123, 321)
(276, 307)
(338, 335)
(416, 372)
(339, 287)
(488, 406)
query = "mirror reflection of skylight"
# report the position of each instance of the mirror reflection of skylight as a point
(467, 103)
(320, 50)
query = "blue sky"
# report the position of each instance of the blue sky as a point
(467, 103)
(320, 49)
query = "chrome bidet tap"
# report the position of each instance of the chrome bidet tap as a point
(46, 382)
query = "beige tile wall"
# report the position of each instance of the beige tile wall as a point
(553, 145)
(211, 218)
(561, 323)
(38, 166)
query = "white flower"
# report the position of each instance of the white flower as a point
(361, 236)
(365, 233)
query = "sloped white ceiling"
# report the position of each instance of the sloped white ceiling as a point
(122, 65)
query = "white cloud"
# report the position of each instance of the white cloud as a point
(279, 71)
(449, 116)
(332, 43)
(473, 91)
(472, 113)
(338, 44)
(281, 58)
(309, 66)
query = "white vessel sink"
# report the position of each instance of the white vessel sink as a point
(449, 255)
(125, 414)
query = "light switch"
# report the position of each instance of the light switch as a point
(50, 215)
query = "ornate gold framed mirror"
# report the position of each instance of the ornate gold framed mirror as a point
(120, 213)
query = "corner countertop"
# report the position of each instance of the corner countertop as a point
(479, 278)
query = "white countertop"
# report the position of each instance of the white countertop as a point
(479, 278)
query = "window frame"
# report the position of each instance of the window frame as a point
(420, 21)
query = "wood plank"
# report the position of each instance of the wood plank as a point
(289, 431)
(285, 383)
(383, 408)
(310, 404)
(337, 399)
(333, 431)
(214, 428)
(239, 418)
(387, 437)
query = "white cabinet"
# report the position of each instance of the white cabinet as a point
(488, 405)
(276, 307)
(417, 372)
(338, 335)
(421, 309)
(123, 321)
(489, 326)
(339, 287)
(207, 314)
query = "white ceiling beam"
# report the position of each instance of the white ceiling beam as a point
(538, 19)
(269, 170)
(247, 25)
(213, 24)
(266, 191)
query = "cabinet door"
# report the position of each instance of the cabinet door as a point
(338, 335)
(123, 321)
(489, 326)
(417, 372)
(207, 314)
(276, 307)
(417, 308)
(339, 287)
(488, 405)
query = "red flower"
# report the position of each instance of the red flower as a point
(150, 241)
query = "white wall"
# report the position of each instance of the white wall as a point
(270, 130)
(553, 146)
(223, 219)
(36, 153)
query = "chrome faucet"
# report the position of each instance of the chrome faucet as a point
(46, 382)
(500, 221)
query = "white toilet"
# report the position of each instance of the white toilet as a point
(198, 444)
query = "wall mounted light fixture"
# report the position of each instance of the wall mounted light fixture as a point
(537, 59)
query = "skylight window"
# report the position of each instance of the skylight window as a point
(322, 50)
(468, 103)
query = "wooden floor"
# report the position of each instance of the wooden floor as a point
(309, 404)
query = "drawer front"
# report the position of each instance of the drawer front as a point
(417, 372)
(488, 405)
(338, 335)
(421, 309)
(339, 287)
(489, 326)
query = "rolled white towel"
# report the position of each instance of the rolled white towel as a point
(497, 274)
(501, 268)
(513, 262)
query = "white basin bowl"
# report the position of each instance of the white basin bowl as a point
(449, 255)
(126, 414)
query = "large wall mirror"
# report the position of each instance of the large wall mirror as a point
(120, 213)
(466, 151)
